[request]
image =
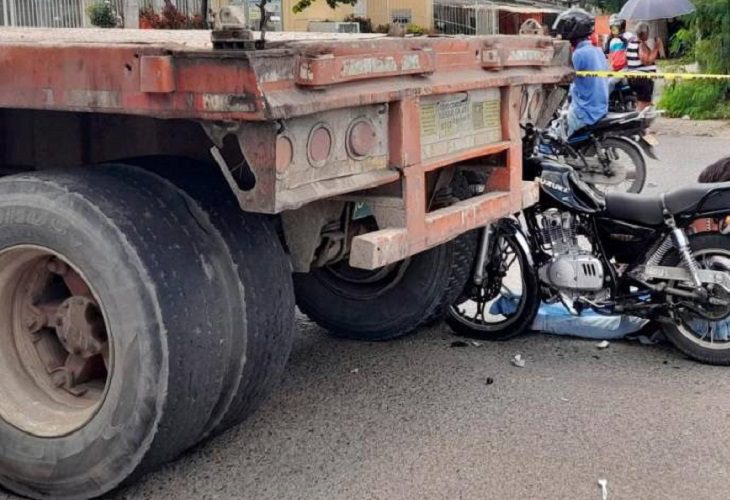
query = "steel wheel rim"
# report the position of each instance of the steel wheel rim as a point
(508, 259)
(55, 364)
(687, 331)
(622, 160)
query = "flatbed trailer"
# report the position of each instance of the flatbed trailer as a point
(157, 194)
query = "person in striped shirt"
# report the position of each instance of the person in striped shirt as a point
(641, 57)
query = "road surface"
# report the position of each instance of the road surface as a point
(416, 418)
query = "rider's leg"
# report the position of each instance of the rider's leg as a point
(573, 122)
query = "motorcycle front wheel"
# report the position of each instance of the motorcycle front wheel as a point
(626, 172)
(505, 304)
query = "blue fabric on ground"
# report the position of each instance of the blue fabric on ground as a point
(555, 319)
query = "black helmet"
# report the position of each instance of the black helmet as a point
(617, 21)
(574, 24)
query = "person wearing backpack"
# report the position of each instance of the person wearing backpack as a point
(617, 43)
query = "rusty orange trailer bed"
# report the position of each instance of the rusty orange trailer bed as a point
(297, 83)
(156, 194)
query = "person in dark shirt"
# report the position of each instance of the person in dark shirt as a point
(717, 172)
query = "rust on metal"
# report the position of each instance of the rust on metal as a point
(69, 335)
(328, 69)
(156, 74)
(317, 119)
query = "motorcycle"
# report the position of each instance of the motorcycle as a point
(614, 254)
(608, 154)
(622, 99)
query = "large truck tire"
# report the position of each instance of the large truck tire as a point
(389, 302)
(264, 275)
(113, 321)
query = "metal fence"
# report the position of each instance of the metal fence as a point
(72, 13)
(465, 18)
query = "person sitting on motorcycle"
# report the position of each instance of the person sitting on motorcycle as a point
(589, 95)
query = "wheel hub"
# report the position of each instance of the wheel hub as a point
(54, 379)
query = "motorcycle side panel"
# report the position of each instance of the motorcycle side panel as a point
(624, 241)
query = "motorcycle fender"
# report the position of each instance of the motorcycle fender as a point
(634, 143)
(513, 227)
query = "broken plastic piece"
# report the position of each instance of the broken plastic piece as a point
(518, 361)
(603, 483)
(603, 345)
(476, 344)
(355, 370)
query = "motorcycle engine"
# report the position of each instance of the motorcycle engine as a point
(571, 269)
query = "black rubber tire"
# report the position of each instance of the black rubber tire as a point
(633, 151)
(396, 312)
(519, 324)
(159, 276)
(672, 332)
(462, 266)
(266, 319)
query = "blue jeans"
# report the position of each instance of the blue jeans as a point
(573, 123)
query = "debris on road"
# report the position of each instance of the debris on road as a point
(490, 380)
(476, 344)
(355, 370)
(459, 343)
(518, 361)
(603, 345)
(603, 483)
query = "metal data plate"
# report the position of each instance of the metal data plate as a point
(456, 122)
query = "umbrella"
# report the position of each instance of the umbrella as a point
(650, 10)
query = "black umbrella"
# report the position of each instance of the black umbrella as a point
(650, 10)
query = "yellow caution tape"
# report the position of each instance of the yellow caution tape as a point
(653, 76)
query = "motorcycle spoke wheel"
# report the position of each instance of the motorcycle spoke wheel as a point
(505, 304)
(710, 330)
(627, 167)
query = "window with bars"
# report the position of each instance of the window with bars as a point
(401, 16)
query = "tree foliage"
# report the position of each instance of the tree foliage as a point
(706, 36)
(101, 14)
(710, 25)
(611, 6)
(303, 4)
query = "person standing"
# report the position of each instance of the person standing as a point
(641, 57)
(617, 43)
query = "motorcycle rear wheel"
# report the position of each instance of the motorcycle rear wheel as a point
(624, 154)
(688, 331)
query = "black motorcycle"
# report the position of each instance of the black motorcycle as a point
(622, 98)
(608, 154)
(614, 254)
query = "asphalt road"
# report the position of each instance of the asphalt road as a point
(416, 419)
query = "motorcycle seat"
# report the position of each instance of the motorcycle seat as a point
(608, 121)
(612, 119)
(647, 210)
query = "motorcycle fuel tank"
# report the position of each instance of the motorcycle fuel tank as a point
(561, 187)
